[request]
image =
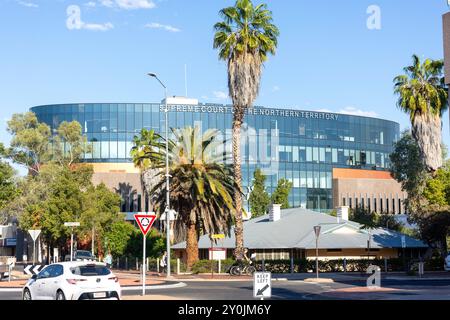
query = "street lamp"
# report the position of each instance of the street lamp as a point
(317, 232)
(153, 75)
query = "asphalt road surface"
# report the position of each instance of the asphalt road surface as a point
(226, 290)
(281, 290)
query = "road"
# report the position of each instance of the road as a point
(224, 290)
(286, 290)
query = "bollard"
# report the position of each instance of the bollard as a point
(137, 264)
(263, 265)
(178, 266)
(157, 265)
(126, 263)
(292, 264)
(148, 268)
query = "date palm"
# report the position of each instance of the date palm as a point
(422, 94)
(147, 157)
(201, 189)
(244, 39)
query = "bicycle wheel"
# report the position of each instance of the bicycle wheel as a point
(235, 271)
(251, 270)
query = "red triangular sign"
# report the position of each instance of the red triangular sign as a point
(145, 222)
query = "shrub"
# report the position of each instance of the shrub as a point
(204, 266)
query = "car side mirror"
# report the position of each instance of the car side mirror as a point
(34, 276)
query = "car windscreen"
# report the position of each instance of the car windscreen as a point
(83, 254)
(90, 271)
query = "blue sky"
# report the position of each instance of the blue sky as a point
(327, 57)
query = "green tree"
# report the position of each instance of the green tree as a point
(428, 194)
(244, 38)
(8, 188)
(155, 243)
(281, 193)
(423, 95)
(147, 156)
(408, 169)
(30, 142)
(202, 188)
(70, 144)
(101, 209)
(259, 198)
(118, 236)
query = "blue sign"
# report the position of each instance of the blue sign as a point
(10, 242)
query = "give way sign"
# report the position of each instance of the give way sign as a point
(145, 222)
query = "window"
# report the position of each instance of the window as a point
(90, 270)
(309, 154)
(375, 205)
(343, 202)
(57, 271)
(400, 206)
(46, 273)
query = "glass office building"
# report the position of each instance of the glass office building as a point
(301, 146)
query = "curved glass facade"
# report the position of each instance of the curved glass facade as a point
(301, 146)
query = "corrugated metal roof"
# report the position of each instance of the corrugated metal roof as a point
(295, 231)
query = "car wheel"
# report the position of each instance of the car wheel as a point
(27, 295)
(60, 295)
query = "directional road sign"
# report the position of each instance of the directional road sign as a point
(218, 236)
(34, 234)
(72, 224)
(262, 285)
(145, 222)
(32, 269)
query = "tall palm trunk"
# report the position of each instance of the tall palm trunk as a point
(191, 245)
(239, 227)
(427, 132)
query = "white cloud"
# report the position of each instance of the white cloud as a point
(97, 27)
(276, 89)
(90, 4)
(155, 25)
(220, 95)
(128, 4)
(28, 4)
(358, 112)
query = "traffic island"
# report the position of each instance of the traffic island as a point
(319, 280)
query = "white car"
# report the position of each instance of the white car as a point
(447, 263)
(73, 281)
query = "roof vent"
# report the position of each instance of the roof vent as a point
(275, 212)
(342, 214)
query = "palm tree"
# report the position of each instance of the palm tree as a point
(202, 188)
(244, 38)
(423, 95)
(146, 156)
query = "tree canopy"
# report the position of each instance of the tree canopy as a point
(259, 199)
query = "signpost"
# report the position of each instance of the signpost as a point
(262, 285)
(71, 225)
(211, 252)
(34, 235)
(145, 222)
(317, 232)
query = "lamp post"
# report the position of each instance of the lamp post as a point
(153, 75)
(317, 232)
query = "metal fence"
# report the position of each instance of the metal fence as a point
(153, 265)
